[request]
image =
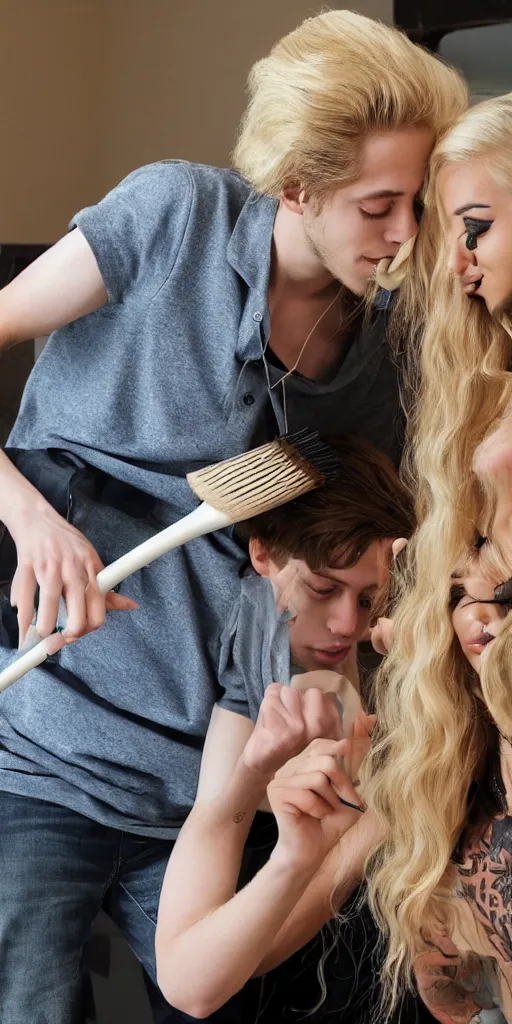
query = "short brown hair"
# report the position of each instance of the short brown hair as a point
(335, 524)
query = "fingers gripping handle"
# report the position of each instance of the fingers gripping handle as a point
(202, 520)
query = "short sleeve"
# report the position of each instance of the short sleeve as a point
(231, 672)
(136, 231)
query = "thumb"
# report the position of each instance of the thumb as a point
(363, 725)
(398, 545)
(119, 602)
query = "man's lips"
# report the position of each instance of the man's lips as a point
(330, 654)
(375, 260)
(471, 287)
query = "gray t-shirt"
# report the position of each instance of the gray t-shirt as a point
(254, 647)
(168, 377)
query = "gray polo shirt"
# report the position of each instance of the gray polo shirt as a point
(168, 377)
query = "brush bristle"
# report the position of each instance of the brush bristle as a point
(308, 446)
(266, 477)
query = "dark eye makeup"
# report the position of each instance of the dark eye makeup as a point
(475, 227)
(457, 592)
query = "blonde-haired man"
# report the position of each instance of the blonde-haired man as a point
(195, 312)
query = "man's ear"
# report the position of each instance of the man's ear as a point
(260, 558)
(294, 198)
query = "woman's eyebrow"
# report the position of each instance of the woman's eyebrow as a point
(470, 206)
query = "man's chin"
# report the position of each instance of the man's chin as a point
(359, 286)
(325, 663)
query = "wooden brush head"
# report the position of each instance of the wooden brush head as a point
(266, 477)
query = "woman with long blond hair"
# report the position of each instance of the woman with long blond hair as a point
(435, 719)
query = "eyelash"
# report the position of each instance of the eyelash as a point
(322, 593)
(474, 229)
(374, 216)
(457, 592)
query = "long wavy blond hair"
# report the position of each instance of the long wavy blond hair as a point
(323, 87)
(432, 733)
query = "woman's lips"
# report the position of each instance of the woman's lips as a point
(480, 642)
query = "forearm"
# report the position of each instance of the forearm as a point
(203, 871)
(340, 873)
(204, 867)
(230, 941)
(18, 498)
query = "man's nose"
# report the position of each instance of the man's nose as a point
(402, 225)
(344, 616)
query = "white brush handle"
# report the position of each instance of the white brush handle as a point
(204, 519)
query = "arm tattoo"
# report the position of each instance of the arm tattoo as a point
(239, 817)
(455, 989)
(486, 875)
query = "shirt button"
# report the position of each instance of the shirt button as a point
(257, 316)
(248, 399)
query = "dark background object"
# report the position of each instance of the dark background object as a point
(427, 21)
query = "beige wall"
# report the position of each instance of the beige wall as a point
(50, 89)
(93, 88)
(178, 72)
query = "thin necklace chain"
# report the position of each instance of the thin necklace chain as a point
(312, 331)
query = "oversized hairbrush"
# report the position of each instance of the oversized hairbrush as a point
(230, 491)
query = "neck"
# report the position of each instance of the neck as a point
(296, 268)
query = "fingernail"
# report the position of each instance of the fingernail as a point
(287, 615)
(31, 637)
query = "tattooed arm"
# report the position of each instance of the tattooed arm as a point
(454, 987)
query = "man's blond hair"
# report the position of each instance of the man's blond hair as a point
(323, 88)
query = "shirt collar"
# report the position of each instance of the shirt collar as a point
(250, 245)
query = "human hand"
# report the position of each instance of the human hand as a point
(55, 556)
(493, 465)
(314, 802)
(381, 635)
(358, 745)
(288, 721)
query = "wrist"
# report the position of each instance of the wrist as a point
(236, 803)
(21, 501)
(255, 776)
(297, 860)
(25, 507)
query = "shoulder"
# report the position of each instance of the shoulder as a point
(210, 186)
(166, 181)
(252, 604)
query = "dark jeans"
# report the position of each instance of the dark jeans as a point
(57, 869)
